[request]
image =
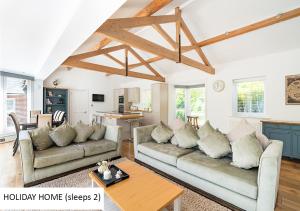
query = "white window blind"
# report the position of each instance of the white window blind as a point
(249, 97)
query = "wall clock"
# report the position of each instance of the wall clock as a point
(219, 85)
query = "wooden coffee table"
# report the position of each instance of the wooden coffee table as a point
(142, 191)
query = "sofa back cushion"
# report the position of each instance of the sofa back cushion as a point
(83, 132)
(205, 130)
(245, 128)
(215, 145)
(246, 152)
(99, 132)
(162, 133)
(185, 137)
(40, 138)
(63, 135)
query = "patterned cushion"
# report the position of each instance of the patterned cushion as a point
(58, 116)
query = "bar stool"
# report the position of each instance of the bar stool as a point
(193, 120)
(131, 126)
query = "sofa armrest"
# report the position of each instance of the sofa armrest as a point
(268, 176)
(141, 135)
(27, 157)
(113, 133)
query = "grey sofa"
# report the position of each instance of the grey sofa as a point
(254, 189)
(38, 165)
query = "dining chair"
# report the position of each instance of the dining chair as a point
(17, 127)
(33, 115)
(44, 119)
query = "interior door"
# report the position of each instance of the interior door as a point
(79, 106)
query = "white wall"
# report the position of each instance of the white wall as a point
(273, 67)
(94, 82)
(37, 95)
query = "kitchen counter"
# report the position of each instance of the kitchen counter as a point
(123, 116)
(127, 121)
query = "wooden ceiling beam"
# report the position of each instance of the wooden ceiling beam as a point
(193, 41)
(110, 70)
(178, 35)
(115, 59)
(96, 53)
(145, 45)
(165, 35)
(150, 9)
(154, 59)
(126, 23)
(249, 28)
(136, 55)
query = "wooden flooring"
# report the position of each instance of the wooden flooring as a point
(289, 185)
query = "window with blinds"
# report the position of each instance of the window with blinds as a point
(249, 97)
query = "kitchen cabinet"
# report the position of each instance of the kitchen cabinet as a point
(159, 101)
(116, 94)
(288, 133)
(134, 95)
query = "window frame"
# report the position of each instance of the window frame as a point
(235, 113)
(187, 108)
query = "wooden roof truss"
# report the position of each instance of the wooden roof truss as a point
(117, 30)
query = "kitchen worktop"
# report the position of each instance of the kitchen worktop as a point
(124, 116)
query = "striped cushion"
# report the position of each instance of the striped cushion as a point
(58, 116)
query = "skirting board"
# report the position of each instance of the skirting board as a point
(197, 190)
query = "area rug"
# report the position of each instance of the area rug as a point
(191, 201)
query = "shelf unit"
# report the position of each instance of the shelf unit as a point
(55, 99)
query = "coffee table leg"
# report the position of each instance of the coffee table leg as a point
(177, 204)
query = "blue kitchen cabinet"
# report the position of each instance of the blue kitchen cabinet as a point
(288, 133)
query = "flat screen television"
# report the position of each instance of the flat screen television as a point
(98, 98)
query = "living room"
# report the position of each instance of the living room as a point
(195, 101)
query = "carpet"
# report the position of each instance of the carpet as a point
(191, 201)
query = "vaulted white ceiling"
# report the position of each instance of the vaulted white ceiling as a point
(37, 36)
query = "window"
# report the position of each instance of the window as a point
(190, 100)
(15, 96)
(249, 97)
(145, 103)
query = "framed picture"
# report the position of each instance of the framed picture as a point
(292, 90)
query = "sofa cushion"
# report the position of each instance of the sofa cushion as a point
(186, 136)
(57, 155)
(246, 152)
(220, 172)
(83, 132)
(63, 135)
(162, 133)
(40, 138)
(215, 145)
(245, 128)
(94, 147)
(205, 130)
(99, 132)
(167, 153)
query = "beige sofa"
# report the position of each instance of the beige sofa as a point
(254, 189)
(39, 165)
